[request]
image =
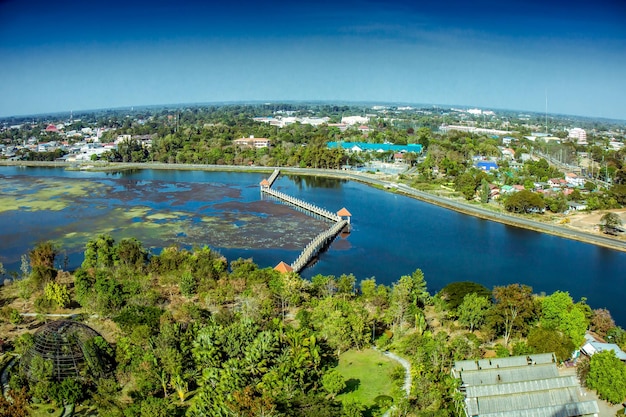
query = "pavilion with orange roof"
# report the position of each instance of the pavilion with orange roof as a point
(283, 267)
(344, 214)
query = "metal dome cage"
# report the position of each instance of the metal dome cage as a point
(74, 350)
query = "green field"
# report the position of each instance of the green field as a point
(367, 374)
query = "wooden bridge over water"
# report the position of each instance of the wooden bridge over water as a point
(340, 220)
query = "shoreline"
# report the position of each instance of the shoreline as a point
(370, 179)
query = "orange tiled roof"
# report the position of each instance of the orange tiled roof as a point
(344, 212)
(283, 267)
(265, 183)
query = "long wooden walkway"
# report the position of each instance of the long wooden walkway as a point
(303, 204)
(320, 242)
(316, 245)
(272, 178)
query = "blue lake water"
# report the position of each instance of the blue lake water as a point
(391, 236)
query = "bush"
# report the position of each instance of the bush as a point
(188, 284)
(383, 342)
(502, 352)
(383, 401)
(44, 305)
(132, 316)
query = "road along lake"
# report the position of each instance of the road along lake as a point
(392, 235)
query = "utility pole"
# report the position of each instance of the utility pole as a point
(546, 111)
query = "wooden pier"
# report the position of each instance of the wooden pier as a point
(321, 241)
(303, 204)
(317, 245)
(272, 178)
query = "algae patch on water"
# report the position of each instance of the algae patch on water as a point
(35, 194)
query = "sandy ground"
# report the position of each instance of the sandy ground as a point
(589, 221)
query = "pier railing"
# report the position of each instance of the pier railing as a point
(273, 177)
(320, 242)
(303, 204)
(317, 244)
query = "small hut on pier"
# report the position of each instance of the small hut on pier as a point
(344, 214)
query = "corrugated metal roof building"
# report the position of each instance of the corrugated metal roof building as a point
(520, 386)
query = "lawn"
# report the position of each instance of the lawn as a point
(367, 374)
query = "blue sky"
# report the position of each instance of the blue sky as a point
(70, 55)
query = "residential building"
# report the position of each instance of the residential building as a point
(574, 206)
(508, 153)
(472, 129)
(579, 135)
(252, 142)
(593, 346)
(574, 180)
(355, 120)
(486, 165)
(557, 182)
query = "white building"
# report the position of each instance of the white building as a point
(579, 135)
(252, 142)
(615, 145)
(354, 120)
(574, 180)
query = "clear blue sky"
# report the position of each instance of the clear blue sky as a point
(70, 55)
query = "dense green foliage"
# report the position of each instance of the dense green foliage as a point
(607, 375)
(196, 336)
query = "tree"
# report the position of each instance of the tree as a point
(473, 311)
(43, 255)
(419, 292)
(602, 322)
(333, 382)
(100, 252)
(130, 252)
(42, 264)
(609, 222)
(560, 313)
(68, 391)
(454, 293)
(607, 375)
(57, 293)
(543, 340)
(352, 408)
(188, 284)
(466, 185)
(400, 302)
(525, 201)
(513, 309)
(24, 266)
(485, 191)
(618, 191)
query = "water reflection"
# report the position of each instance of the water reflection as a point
(309, 181)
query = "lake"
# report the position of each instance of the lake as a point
(392, 235)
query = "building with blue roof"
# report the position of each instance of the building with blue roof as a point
(486, 165)
(375, 147)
